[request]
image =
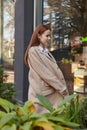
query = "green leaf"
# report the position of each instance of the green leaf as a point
(6, 105)
(36, 116)
(6, 119)
(2, 114)
(26, 126)
(58, 127)
(67, 99)
(45, 102)
(63, 122)
(8, 127)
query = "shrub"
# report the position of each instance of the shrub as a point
(6, 89)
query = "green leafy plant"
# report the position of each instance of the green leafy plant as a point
(72, 109)
(17, 117)
(6, 89)
(84, 39)
(24, 117)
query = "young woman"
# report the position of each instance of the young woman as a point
(45, 77)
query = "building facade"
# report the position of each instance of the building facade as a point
(66, 44)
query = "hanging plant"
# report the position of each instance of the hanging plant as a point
(84, 41)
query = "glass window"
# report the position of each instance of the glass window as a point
(62, 21)
(67, 21)
(8, 39)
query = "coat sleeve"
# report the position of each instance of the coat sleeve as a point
(44, 72)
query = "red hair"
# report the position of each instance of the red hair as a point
(39, 30)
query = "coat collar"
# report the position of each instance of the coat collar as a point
(46, 52)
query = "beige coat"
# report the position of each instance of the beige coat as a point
(45, 78)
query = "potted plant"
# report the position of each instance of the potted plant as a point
(7, 90)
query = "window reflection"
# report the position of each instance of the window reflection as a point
(8, 38)
(57, 19)
(68, 26)
(65, 20)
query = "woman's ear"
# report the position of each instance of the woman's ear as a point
(39, 36)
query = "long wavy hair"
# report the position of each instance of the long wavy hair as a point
(39, 30)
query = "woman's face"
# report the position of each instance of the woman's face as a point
(45, 38)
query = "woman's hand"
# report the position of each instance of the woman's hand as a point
(65, 93)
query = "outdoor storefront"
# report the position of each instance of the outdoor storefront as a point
(67, 44)
(17, 21)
